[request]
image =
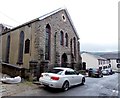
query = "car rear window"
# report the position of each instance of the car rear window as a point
(93, 69)
(56, 71)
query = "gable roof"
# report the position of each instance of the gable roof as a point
(68, 16)
(45, 16)
(111, 55)
(95, 56)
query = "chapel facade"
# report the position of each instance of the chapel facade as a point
(50, 40)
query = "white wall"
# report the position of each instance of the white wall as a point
(114, 64)
(91, 61)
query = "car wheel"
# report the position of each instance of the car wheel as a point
(65, 86)
(102, 75)
(83, 81)
(98, 76)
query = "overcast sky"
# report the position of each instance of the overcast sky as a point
(96, 21)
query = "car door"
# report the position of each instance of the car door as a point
(69, 76)
(76, 77)
(72, 76)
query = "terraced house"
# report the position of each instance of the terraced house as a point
(48, 41)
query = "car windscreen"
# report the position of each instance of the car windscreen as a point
(56, 71)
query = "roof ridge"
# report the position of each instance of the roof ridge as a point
(44, 16)
(96, 56)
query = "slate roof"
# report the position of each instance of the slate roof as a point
(95, 56)
(111, 55)
(45, 16)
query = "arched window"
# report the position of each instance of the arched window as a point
(61, 38)
(47, 42)
(55, 55)
(74, 47)
(7, 49)
(27, 46)
(71, 45)
(78, 46)
(66, 40)
(21, 46)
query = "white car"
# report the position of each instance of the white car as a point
(61, 77)
(107, 71)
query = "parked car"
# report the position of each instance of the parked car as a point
(107, 71)
(95, 72)
(61, 78)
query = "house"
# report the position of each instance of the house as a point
(94, 61)
(3, 28)
(114, 58)
(48, 41)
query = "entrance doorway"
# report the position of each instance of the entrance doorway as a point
(64, 60)
(84, 66)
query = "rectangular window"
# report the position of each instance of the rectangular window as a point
(118, 60)
(99, 62)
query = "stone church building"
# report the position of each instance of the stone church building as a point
(48, 41)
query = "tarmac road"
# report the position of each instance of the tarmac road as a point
(106, 86)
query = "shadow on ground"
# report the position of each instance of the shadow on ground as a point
(58, 90)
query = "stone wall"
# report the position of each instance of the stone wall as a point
(57, 24)
(13, 70)
(35, 32)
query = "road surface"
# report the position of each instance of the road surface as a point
(106, 86)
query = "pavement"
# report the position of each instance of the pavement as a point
(107, 86)
(12, 89)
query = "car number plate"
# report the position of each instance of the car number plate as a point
(46, 75)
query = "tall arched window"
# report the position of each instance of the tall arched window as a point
(66, 40)
(7, 49)
(71, 45)
(21, 46)
(55, 55)
(27, 46)
(78, 46)
(61, 38)
(74, 47)
(78, 50)
(47, 42)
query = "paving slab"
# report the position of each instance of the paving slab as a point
(12, 89)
